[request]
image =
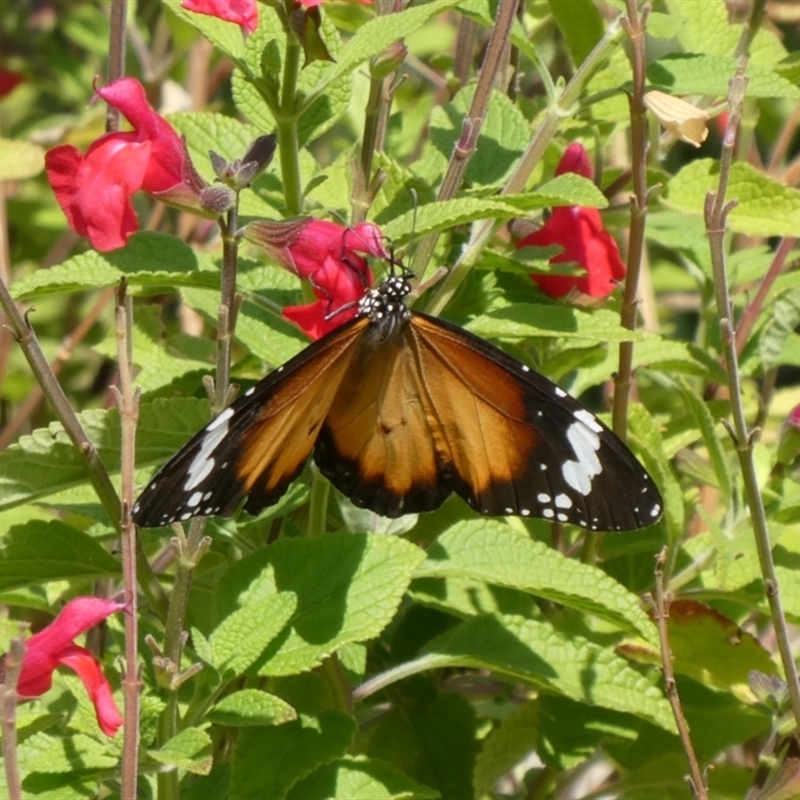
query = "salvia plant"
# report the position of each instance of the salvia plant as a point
(195, 192)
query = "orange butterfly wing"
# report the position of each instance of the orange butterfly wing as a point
(434, 410)
(259, 444)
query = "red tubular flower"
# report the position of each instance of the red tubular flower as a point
(327, 255)
(94, 190)
(9, 81)
(580, 232)
(53, 645)
(243, 12)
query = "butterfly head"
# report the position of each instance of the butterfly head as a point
(385, 304)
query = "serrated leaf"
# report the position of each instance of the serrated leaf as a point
(561, 191)
(534, 651)
(227, 37)
(38, 552)
(244, 634)
(348, 588)
(526, 320)
(765, 207)
(61, 754)
(267, 761)
(515, 737)
(251, 707)
(782, 320)
(656, 460)
(190, 750)
(466, 598)
(261, 331)
(488, 550)
(707, 427)
(20, 160)
(359, 778)
(319, 112)
(150, 262)
(375, 36)
(46, 462)
(689, 73)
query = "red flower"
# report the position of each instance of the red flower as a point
(580, 232)
(9, 81)
(327, 255)
(242, 12)
(54, 645)
(95, 189)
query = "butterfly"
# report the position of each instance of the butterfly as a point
(400, 410)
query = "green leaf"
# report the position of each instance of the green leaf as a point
(260, 330)
(46, 462)
(190, 750)
(434, 732)
(712, 649)
(490, 551)
(38, 552)
(651, 451)
(251, 707)
(268, 761)
(533, 651)
(707, 426)
(526, 320)
(765, 207)
(265, 54)
(782, 318)
(359, 778)
(506, 746)
(226, 37)
(503, 136)
(348, 588)
(581, 25)
(375, 36)
(20, 160)
(680, 73)
(61, 754)
(239, 640)
(706, 28)
(150, 262)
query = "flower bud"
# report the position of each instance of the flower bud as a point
(681, 119)
(385, 63)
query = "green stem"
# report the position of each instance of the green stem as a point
(288, 140)
(318, 505)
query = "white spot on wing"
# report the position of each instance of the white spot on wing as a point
(585, 443)
(548, 513)
(588, 419)
(560, 392)
(203, 462)
(544, 498)
(220, 420)
(563, 501)
(194, 500)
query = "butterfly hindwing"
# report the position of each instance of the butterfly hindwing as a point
(520, 444)
(258, 445)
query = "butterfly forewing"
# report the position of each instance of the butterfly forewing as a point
(258, 445)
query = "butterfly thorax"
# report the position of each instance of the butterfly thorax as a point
(385, 306)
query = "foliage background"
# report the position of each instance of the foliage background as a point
(442, 655)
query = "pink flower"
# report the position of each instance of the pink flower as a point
(94, 190)
(580, 232)
(243, 12)
(53, 645)
(327, 255)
